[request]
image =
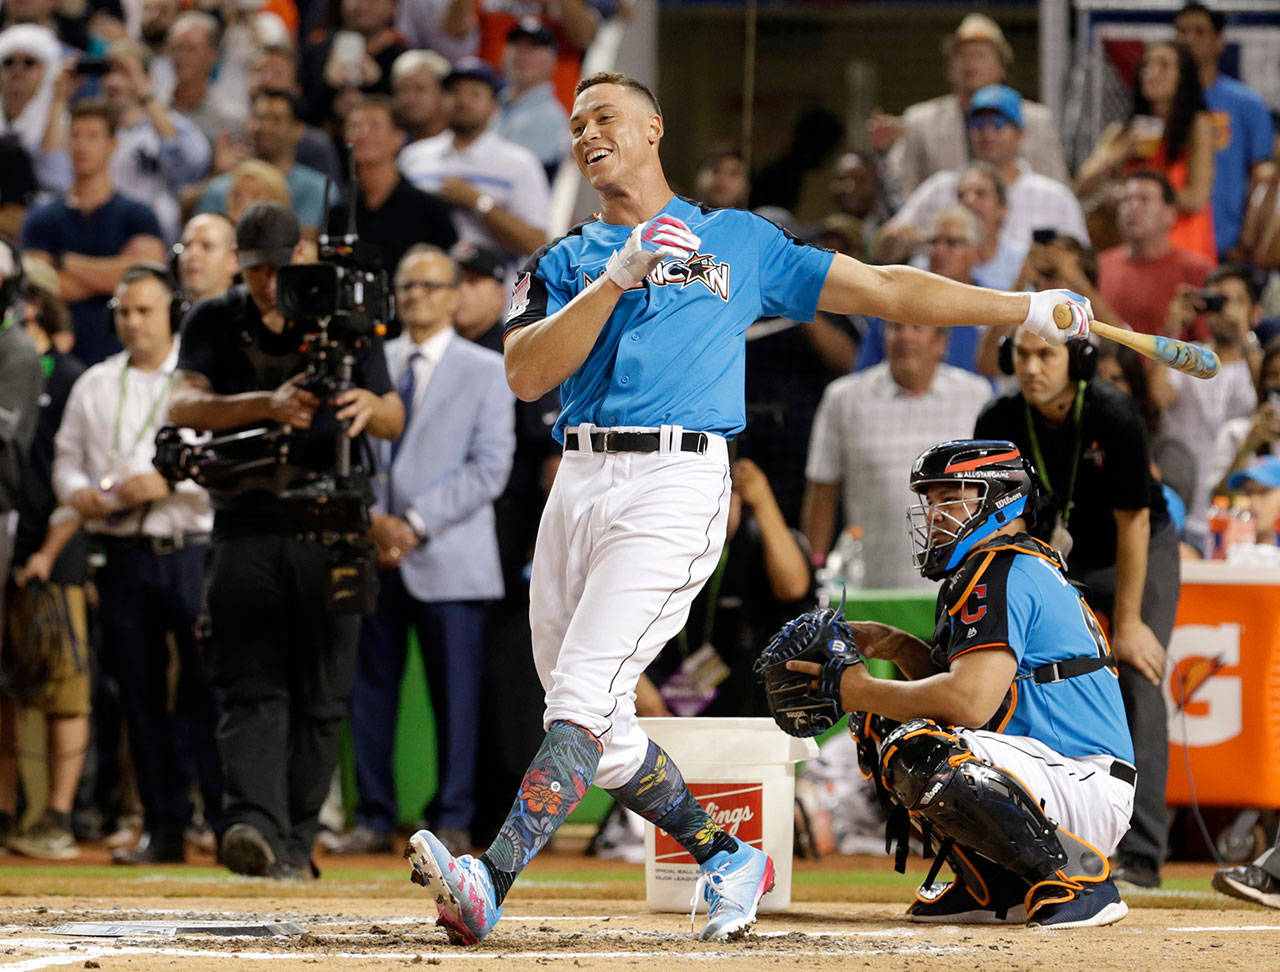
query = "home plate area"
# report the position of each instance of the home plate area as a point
(237, 933)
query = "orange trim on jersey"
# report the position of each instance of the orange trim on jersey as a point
(1022, 550)
(510, 331)
(972, 464)
(989, 644)
(972, 584)
(1013, 704)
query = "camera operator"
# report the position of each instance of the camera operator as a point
(282, 663)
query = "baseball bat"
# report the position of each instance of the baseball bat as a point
(1195, 361)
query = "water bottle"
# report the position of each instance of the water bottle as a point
(1219, 522)
(852, 558)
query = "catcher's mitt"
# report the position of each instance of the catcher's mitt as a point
(818, 636)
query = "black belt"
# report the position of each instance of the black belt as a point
(1124, 772)
(614, 441)
(157, 545)
(1070, 668)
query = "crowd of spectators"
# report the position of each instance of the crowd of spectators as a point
(129, 135)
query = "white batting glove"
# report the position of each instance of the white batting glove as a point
(661, 238)
(1040, 320)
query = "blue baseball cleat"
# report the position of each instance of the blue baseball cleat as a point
(461, 885)
(733, 885)
(1055, 904)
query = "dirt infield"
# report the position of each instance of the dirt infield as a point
(580, 914)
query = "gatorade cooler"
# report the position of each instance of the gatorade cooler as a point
(743, 771)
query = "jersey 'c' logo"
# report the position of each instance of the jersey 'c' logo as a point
(980, 611)
(701, 268)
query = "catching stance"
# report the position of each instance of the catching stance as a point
(639, 315)
(1008, 741)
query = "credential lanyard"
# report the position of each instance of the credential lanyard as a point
(1077, 411)
(151, 416)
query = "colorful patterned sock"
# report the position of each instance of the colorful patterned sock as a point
(658, 793)
(555, 782)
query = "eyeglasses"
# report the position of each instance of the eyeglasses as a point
(998, 122)
(24, 62)
(947, 241)
(430, 286)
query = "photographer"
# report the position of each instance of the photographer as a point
(283, 664)
(1195, 410)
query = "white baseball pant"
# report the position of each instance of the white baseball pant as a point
(626, 541)
(1079, 793)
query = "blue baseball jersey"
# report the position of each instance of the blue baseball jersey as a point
(673, 352)
(1015, 596)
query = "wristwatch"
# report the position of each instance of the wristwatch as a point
(484, 204)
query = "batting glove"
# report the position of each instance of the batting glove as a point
(1040, 322)
(661, 238)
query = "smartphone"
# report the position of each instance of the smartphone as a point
(1044, 236)
(1209, 301)
(348, 51)
(92, 67)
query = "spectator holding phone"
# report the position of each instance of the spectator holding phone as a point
(1194, 410)
(1241, 440)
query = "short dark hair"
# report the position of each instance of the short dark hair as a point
(149, 271)
(381, 102)
(1236, 271)
(622, 80)
(1160, 179)
(95, 108)
(279, 94)
(1217, 19)
(728, 150)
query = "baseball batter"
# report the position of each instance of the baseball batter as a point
(639, 315)
(1031, 803)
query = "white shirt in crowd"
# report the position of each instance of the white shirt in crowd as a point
(1035, 202)
(494, 166)
(867, 433)
(108, 435)
(1196, 417)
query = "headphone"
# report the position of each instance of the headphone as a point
(178, 303)
(1082, 358)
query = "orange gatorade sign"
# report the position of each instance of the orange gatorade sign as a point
(1222, 687)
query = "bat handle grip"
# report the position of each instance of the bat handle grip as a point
(1062, 316)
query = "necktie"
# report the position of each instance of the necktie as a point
(406, 387)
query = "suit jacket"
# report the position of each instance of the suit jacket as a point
(936, 139)
(453, 461)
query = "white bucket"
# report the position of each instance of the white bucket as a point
(743, 771)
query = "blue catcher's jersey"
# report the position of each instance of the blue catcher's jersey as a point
(673, 352)
(1012, 594)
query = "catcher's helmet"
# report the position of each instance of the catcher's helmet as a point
(1006, 490)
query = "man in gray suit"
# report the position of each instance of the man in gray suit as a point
(434, 527)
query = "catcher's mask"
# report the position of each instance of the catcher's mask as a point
(1000, 487)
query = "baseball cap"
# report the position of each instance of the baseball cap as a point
(997, 97)
(267, 233)
(476, 70)
(531, 28)
(1265, 471)
(484, 261)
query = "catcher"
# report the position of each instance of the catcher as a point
(1008, 740)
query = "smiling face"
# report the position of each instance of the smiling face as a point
(615, 135)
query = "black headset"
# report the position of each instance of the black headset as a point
(1082, 358)
(178, 303)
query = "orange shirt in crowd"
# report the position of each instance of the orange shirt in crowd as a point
(1140, 290)
(497, 17)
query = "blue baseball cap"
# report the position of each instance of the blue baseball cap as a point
(1265, 471)
(997, 97)
(473, 69)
